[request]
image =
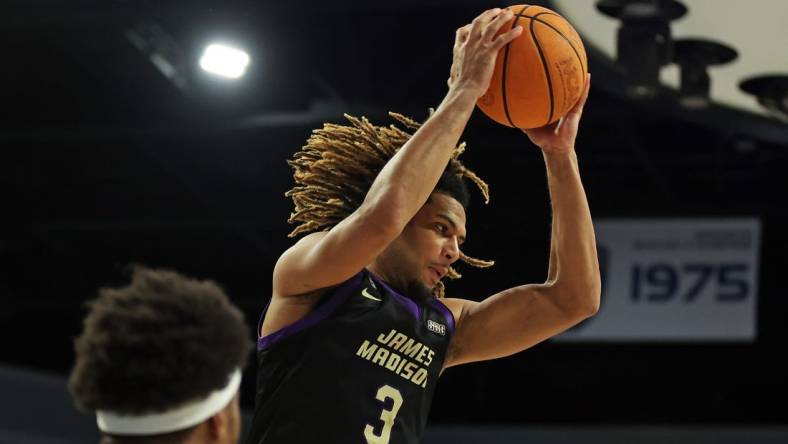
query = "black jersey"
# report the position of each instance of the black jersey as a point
(361, 367)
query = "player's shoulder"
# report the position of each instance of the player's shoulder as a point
(458, 307)
(307, 240)
(290, 261)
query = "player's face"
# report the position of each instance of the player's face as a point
(431, 241)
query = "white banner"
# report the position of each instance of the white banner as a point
(675, 280)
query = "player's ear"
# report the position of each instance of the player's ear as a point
(218, 426)
(224, 427)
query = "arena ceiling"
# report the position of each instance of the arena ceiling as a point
(75, 61)
(757, 32)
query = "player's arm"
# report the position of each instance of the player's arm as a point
(404, 184)
(520, 317)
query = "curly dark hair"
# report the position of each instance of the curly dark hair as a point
(160, 342)
(452, 184)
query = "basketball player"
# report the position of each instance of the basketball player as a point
(354, 338)
(159, 361)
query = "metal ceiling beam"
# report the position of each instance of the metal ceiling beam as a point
(609, 77)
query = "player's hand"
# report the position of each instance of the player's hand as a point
(475, 49)
(559, 137)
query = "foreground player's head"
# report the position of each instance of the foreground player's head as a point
(336, 168)
(159, 361)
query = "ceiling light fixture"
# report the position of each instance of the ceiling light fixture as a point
(224, 61)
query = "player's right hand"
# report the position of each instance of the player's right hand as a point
(476, 47)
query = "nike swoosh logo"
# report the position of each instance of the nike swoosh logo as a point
(366, 294)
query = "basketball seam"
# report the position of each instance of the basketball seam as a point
(504, 67)
(542, 13)
(536, 18)
(546, 70)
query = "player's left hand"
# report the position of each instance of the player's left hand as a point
(559, 137)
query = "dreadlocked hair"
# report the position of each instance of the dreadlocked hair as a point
(338, 164)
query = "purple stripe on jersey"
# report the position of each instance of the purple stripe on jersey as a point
(323, 311)
(407, 302)
(262, 317)
(441, 307)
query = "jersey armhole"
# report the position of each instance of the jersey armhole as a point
(322, 310)
(445, 311)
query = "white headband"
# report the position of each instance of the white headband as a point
(179, 418)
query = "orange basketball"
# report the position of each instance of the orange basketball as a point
(539, 75)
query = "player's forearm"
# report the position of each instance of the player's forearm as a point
(577, 280)
(552, 268)
(407, 180)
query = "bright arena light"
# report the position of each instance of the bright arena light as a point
(224, 61)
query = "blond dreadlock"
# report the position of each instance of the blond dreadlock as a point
(336, 167)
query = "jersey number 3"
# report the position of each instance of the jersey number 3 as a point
(387, 415)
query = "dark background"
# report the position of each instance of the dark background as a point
(106, 162)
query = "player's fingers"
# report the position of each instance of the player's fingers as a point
(578, 108)
(461, 35)
(486, 16)
(496, 23)
(479, 23)
(504, 39)
(581, 103)
(573, 116)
